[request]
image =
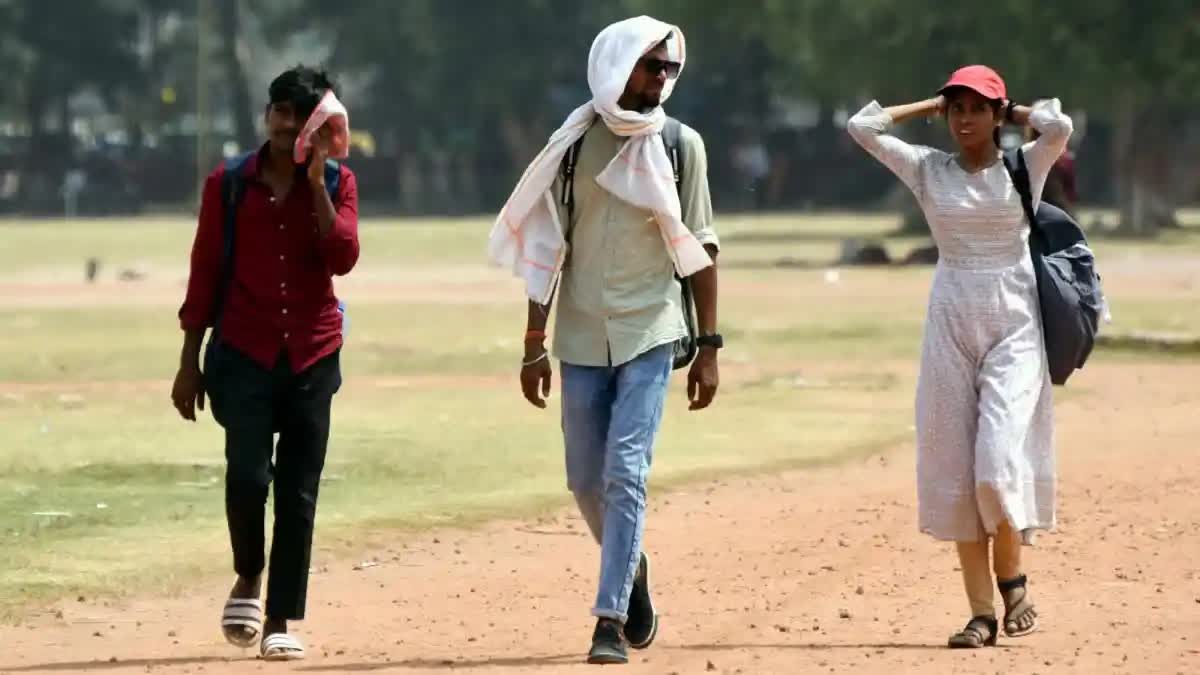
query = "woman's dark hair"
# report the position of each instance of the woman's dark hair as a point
(995, 103)
(301, 86)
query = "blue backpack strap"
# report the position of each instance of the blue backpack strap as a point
(233, 188)
(333, 179)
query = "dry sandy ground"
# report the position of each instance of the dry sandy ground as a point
(807, 572)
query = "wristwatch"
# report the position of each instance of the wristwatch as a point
(715, 341)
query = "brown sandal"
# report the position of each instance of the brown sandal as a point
(1020, 616)
(979, 632)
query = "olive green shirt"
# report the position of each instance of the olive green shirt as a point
(618, 296)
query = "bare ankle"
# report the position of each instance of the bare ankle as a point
(247, 587)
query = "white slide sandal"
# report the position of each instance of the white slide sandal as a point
(245, 614)
(282, 647)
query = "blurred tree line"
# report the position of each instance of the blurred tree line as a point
(453, 97)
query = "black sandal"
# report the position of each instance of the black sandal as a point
(1020, 616)
(979, 632)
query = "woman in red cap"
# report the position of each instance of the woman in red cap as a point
(985, 424)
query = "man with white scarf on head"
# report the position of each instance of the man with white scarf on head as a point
(615, 258)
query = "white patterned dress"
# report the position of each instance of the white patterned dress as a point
(984, 409)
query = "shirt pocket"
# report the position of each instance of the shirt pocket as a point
(638, 252)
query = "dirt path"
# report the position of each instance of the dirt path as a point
(753, 576)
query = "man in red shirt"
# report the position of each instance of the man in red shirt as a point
(272, 361)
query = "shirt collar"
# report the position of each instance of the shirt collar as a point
(252, 169)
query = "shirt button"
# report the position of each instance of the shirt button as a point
(285, 336)
(285, 310)
(281, 226)
(283, 284)
(281, 257)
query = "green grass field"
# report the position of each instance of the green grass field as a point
(103, 488)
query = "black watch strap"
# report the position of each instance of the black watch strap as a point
(715, 341)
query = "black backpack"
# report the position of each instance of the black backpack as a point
(1069, 289)
(685, 348)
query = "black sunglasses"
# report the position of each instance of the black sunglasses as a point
(656, 66)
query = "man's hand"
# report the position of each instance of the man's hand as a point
(535, 377)
(188, 392)
(703, 379)
(317, 157)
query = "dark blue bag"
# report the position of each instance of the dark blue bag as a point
(1069, 291)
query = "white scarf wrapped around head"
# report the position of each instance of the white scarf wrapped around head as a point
(527, 235)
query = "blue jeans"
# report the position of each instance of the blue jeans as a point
(610, 416)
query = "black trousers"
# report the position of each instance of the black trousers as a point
(253, 404)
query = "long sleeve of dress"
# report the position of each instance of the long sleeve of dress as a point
(1055, 128)
(870, 128)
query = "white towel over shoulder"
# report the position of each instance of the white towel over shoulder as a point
(528, 237)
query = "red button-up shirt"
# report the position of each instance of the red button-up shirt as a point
(281, 296)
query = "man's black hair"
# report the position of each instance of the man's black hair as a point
(301, 86)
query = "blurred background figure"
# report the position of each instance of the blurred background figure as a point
(752, 165)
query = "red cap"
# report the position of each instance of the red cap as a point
(981, 79)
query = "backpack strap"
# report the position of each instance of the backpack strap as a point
(1014, 162)
(568, 173)
(333, 179)
(233, 188)
(671, 132)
